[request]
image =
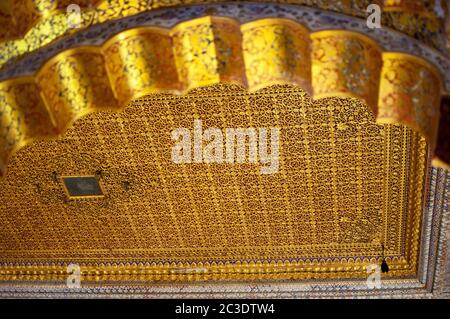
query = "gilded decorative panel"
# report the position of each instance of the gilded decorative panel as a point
(346, 63)
(277, 51)
(409, 94)
(345, 185)
(23, 117)
(73, 83)
(422, 19)
(359, 125)
(208, 51)
(140, 61)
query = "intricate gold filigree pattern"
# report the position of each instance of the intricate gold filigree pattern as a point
(421, 19)
(139, 62)
(277, 51)
(345, 184)
(23, 117)
(345, 63)
(73, 85)
(209, 50)
(410, 94)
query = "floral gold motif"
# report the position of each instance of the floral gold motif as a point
(346, 63)
(410, 94)
(208, 51)
(140, 61)
(277, 51)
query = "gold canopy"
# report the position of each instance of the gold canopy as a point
(359, 127)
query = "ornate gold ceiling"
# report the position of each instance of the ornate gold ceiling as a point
(345, 185)
(362, 116)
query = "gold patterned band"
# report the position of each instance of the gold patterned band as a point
(27, 25)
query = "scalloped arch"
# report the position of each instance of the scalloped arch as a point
(30, 24)
(398, 88)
